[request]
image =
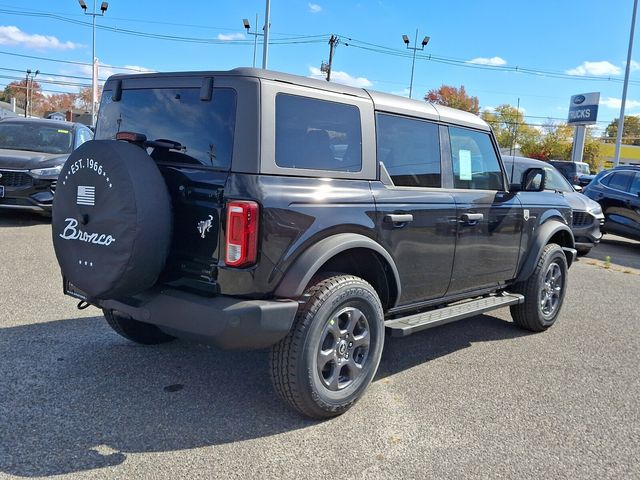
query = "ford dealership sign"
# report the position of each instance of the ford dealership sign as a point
(583, 109)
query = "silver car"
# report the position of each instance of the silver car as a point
(587, 214)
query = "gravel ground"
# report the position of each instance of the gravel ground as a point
(479, 398)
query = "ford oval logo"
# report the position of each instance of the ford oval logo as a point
(579, 99)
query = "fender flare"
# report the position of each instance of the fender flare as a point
(543, 235)
(299, 274)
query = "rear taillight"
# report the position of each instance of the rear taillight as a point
(242, 233)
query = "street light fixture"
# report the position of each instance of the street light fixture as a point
(94, 80)
(255, 34)
(415, 48)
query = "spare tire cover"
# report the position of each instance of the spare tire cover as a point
(112, 219)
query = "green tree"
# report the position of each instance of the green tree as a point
(453, 97)
(510, 128)
(630, 132)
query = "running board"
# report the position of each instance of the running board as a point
(401, 327)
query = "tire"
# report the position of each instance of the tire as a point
(138, 332)
(112, 220)
(548, 280)
(326, 362)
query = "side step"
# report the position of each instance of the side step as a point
(401, 327)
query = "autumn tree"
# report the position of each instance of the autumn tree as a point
(453, 97)
(18, 90)
(510, 127)
(85, 95)
(61, 102)
(630, 131)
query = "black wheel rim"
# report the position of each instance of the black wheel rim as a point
(343, 349)
(551, 290)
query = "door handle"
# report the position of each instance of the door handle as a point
(398, 219)
(472, 218)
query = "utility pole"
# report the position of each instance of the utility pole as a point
(26, 93)
(33, 77)
(265, 48)
(616, 155)
(415, 48)
(326, 67)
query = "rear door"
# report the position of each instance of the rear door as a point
(415, 218)
(201, 119)
(489, 218)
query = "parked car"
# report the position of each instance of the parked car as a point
(253, 209)
(32, 153)
(587, 214)
(618, 192)
(576, 172)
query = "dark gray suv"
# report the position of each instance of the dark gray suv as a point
(253, 209)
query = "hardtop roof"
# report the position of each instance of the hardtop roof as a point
(382, 101)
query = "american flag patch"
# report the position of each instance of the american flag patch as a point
(86, 195)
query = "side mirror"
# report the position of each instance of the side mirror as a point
(533, 180)
(577, 188)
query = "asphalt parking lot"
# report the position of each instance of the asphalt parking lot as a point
(478, 398)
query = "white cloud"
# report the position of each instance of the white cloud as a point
(342, 77)
(615, 103)
(10, 35)
(595, 68)
(403, 93)
(634, 65)
(314, 8)
(230, 36)
(105, 70)
(495, 61)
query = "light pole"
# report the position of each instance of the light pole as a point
(616, 154)
(94, 14)
(415, 48)
(255, 34)
(267, 25)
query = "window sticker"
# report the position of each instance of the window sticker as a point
(63, 131)
(465, 164)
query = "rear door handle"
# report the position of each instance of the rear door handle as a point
(472, 218)
(398, 219)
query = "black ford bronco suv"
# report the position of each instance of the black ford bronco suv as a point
(252, 209)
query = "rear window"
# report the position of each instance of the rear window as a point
(317, 134)
(204, 129)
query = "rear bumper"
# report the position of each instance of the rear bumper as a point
(226, 322)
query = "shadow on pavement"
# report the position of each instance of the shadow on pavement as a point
(74, 396)
(10, 218)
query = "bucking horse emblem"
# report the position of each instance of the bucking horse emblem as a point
(204, 226)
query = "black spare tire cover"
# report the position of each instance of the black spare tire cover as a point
(112, 219)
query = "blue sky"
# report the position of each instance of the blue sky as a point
(584, 38)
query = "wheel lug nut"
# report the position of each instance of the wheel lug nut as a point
(350, 344)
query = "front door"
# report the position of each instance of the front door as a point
(489, 218)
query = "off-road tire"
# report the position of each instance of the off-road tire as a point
(295, 361)
(138, 332)
(530, 315)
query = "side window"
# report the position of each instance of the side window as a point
(621, 181)
(83, 135)
(555, 181)
(635, 185)
(410, 150)
(475, 163)
(317, 134)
